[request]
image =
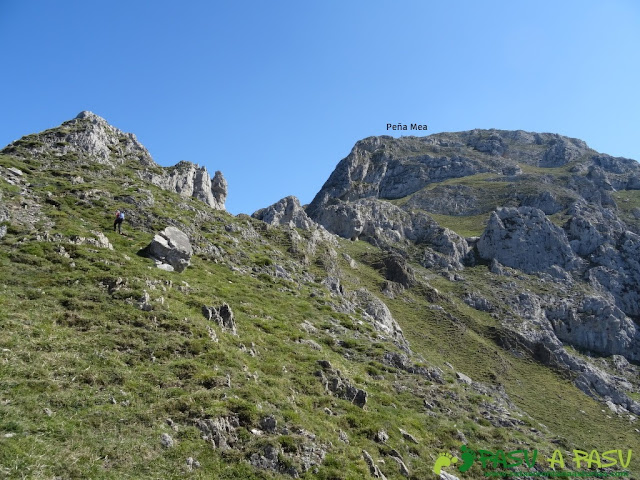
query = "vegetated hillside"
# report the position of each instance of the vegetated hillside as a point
(537, 204)
(281, 351)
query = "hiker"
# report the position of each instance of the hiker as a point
(118, 221)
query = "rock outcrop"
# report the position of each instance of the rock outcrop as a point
(88, 137)
(386, 167)
(525, 239)
(378, 314)
(595, 324)
(374, 470)
(220, 432)
(286, 212)
(340, 386)
(383, 223)
(222, 315)
(170, 249)
(384, 191)
(191, 180)
(602, 238)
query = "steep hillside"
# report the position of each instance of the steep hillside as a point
(542, 204)
(284, 350)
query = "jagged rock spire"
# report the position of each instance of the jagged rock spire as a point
(191, 180)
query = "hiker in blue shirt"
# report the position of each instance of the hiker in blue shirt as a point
(118, 221)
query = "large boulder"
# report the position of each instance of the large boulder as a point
(171, 249)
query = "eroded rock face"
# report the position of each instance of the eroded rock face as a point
(591, 226)
(385, 167)
(220, 432)
(222, 315)
(383, 223)
(602, 238)
(545, 201)
(447, 200)
(562, 151)
(286, 212)
(340, 386)
(190, 180)
(170, 247)
(525, 239)
(219, 189)
(378, 313)
(595, 323)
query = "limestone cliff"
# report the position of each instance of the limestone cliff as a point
(541, 204)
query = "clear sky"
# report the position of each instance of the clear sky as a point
(275, 93)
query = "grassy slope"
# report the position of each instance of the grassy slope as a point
(549, 397)
(112, 374)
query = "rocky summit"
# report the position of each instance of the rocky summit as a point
(440, 296)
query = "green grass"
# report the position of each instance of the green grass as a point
(465, 226)
(628, 202)
(111, 375)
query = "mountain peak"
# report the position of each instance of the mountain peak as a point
(85, 138)
(88, 139)
(89, 115)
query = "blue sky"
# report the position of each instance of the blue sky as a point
(275, 93)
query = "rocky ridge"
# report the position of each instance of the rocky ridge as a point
(227, 336)
(89, 138)
(387, 189)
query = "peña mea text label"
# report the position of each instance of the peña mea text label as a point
(402, 126)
